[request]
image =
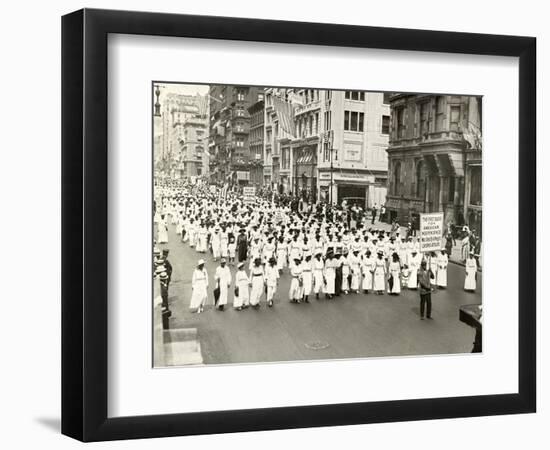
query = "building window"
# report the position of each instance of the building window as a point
(316, 123)
(239, 142)
(475, 185)
(326, 151)
(240, 96)
(400, 114)
(424, 119)
(421, 176)
(455, 118)
(355, 95)
(439, 112)
(353, 121)
(396, 179)
(328, 95)
(328, 118)
(385, 124)
(451, 191)
(386, 98)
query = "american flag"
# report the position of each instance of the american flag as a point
(285, 113)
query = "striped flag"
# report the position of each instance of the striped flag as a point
(285, 113)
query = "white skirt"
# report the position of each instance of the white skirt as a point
(307, 278)
(379, 284)
(367, 281)
(257, 290)
(198, 297)
(243, 298)
(470, 281)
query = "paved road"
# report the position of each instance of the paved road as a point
(347, 327)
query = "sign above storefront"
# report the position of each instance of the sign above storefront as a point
(338, 176)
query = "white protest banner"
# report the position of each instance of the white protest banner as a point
(431, 231)
(249, 194)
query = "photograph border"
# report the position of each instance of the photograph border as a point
(85, 235)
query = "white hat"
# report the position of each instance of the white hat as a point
(201, 261)
(240, 265)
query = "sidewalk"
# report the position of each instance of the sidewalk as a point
(455, 256)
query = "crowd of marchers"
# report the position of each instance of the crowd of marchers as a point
(326, 251)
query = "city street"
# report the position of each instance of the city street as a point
(349, 326)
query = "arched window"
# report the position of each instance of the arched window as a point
(396, 178)
(421, 175)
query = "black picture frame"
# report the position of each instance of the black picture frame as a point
(84, 224)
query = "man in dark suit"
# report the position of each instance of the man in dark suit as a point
(167, 264)
(425, 277)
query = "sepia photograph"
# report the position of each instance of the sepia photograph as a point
(295, 224)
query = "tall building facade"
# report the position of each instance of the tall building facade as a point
(278, 133)
(435, 158)
(175, 109)
(256, 143)
(305, 145)
(352, 159)
(334, 147)
(193, 147)
(229, 147)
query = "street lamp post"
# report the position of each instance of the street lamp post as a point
(157, 103)
(331, 173)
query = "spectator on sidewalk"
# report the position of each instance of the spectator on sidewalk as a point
(449, 242)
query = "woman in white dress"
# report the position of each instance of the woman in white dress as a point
(296, 291)
(379, 282)
(465, 250)
(216, 244)
(271, 277)
(442, 263)
(202, 236)
(355, 267)
(199, 283)
(414, 265)
(192, 230)
(281, 254)
(394, 270)
(307, 277)
(242, 282)
(224, 241)
(367, 267)
(471, 270)
(345, 272)
(318, 274)
(162, 231)
(223, 278)
(257, 277)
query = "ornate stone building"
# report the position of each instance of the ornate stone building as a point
(435, 158)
